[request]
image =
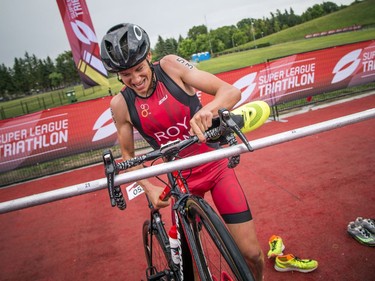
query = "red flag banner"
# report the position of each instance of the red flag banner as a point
(83, 42)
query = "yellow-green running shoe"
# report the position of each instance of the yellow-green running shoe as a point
(291, 263)
(276, 246)
(254, 114)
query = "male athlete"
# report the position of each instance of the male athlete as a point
(160, 101)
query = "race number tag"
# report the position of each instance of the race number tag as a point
(134, 190)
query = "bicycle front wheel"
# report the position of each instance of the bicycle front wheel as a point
(215, 246)
(157, 255)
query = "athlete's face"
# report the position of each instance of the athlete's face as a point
(139, 78)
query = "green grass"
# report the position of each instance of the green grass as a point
(292, 40)
(358, 14)
(255, 56)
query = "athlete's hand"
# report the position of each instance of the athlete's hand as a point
(201, 121)
(153, 193)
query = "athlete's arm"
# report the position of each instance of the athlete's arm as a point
(121, 119)
(189, 78)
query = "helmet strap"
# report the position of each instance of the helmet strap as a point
(154, 79)
(119, 79)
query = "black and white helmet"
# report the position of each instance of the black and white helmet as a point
(124, 46)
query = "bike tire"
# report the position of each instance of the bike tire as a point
(218, 253)
(186, 271)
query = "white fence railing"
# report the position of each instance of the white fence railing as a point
(74, 190)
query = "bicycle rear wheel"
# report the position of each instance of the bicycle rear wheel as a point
(216, 248)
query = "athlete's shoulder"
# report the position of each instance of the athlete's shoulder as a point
(175, 62)
(169, 58)
(117, 101)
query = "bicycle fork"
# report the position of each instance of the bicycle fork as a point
(156, 228)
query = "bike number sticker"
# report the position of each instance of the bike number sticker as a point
(134, 190)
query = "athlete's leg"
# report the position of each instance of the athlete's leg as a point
(231, 203)
(244, 235)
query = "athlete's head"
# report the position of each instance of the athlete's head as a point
(124, 46)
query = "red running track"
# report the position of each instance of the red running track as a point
(305, 190)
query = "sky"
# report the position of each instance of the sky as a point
(36, 26)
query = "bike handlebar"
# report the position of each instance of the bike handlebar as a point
(169, 150)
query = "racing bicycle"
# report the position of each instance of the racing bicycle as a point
(205, 246)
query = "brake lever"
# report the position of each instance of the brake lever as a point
(110, 171)
(226, 120)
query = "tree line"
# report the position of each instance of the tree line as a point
(32, 75)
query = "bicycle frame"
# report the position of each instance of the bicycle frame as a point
(190, 224)
(190, 249)
(178, 190)
(155, 226)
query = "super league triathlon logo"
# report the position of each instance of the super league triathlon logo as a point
(247, 83)
(102, 130)
(83, 32)
(87, 36)
(86, 59)
(346, 66)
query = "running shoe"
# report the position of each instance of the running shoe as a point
(361, 234)
(276, 246)
(292, 263)
(369, 224)
(254, 114)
